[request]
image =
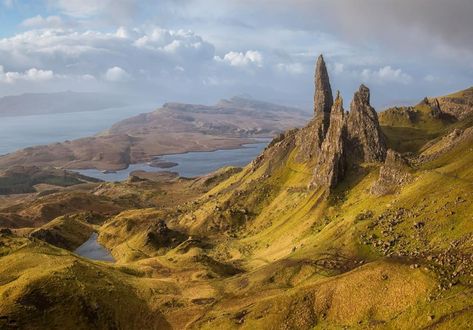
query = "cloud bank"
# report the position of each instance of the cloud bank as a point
(203, 50)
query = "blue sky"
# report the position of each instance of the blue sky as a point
(204, 50)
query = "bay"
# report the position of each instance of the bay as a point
(27, 131)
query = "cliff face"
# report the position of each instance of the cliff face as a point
(323, 99)
(458, 105)
(312, 136)
(333, 141)
(351, 139)
(330, 167)
(366, 142)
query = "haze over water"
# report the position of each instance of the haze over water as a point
(27, 131)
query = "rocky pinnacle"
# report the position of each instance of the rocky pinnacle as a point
(323, 99)
(365, 140)
(331, 164)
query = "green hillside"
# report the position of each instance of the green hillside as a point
(389, 245)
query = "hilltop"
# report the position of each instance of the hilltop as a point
(343, 223)
(409, 128)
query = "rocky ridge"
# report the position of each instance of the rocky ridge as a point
(458, 105)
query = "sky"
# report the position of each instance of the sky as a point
(200, 51)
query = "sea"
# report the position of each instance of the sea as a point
(26, 131)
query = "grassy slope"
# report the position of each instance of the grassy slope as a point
(68, 232)
(291, 228)
(319, 283)
(308, 262)
(409, 135)
(45, 287)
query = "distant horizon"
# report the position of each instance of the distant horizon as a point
(131, 100)
(199, 51)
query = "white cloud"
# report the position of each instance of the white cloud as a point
(386, 75)
(117, 74)
(123, 32)
(292, 68)
(41, 22)
(180, 42)
(251, 57)
(87, 77)
(33, 75)
(92, 51)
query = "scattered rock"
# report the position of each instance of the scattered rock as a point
(5, 232)
(392, 175)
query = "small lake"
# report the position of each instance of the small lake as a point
(190, 164)
(93, 250)
(26, 131)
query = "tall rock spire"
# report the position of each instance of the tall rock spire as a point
(366, 141)
(331, 165)
(323, 98)
(318, 127)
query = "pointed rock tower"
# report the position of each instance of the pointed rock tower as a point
(330, 167)
(312, 136)
(366, 142)
(350, 140)
(323, 98)
(334, 142)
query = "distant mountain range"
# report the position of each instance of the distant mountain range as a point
(49, 103)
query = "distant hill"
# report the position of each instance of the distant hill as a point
(459, 104)
(174, 128)
(63, 102)
(408, 128)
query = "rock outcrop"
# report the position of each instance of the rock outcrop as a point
(312, 136)
(350, 140)
(392, 175)
(459, 105)
(366, 142)
(436, 148)
(333, 141)
(323, 98)
(433, 104)
(160, 236)
(331, 164)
